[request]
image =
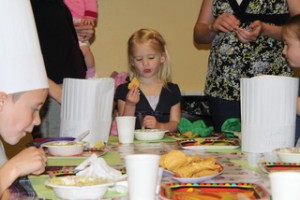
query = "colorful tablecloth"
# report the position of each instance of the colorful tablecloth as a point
(236, 167)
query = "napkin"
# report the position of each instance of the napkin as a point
(268, 112)
(198, 128)
(97, 167)
(87, 104)
(230, 127)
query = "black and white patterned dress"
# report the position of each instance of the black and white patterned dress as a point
(231, 60)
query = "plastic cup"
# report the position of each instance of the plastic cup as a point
(253, 159)
(285, 185)
(126, 127)
(142, 171)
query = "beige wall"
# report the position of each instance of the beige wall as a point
(174, 19)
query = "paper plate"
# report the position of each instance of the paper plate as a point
(208, 143)
(197, 179)
(212, 191)
(179, 136)
(192, 180)
(268, 167)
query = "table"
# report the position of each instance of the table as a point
(236, 168)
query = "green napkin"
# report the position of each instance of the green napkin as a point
(231, 125)
(198, 128)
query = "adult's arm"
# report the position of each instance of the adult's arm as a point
(55, 90)
(207, 26)
(259, 28)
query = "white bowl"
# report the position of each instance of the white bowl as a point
(68, 190)
(64, 148)
(149, 134)
(289, 154)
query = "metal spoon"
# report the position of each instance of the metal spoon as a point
(297, 147)
(81, 136)
(141, 118)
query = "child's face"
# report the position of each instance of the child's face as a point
(146, 60)
(19, 116)
(291, 49)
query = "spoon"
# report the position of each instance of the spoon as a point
(81, 136)
(141, 118)
(297, 147)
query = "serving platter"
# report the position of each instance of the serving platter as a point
(268, 167)
(209, 143)
(213, 191)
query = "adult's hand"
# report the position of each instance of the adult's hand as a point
(225, 23)
(250, 35)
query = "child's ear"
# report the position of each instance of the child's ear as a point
(3, 99)
(163, 58)
(131, 61)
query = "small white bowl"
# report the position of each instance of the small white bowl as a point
(149, 134)
(64, 148)
(64, 187)
(289, 154)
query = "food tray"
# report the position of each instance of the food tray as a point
(212, 191)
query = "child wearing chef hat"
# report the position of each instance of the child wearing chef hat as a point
(23, 89)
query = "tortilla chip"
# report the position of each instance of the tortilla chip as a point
(134, 83)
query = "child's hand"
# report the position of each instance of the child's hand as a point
(133, 96)
(84, 32)
(29, 161)
(150, 122)
(88, 21)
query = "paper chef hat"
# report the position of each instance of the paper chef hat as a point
(21, 63)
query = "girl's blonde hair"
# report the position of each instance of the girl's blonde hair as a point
(158, 43)
(292, 27)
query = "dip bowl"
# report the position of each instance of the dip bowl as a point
(149, 134)
(289, 154)
(78, 187)
(64, 148)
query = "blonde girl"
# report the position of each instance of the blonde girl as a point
(156, 100)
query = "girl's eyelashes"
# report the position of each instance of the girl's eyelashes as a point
(151, 57)
(140, 58)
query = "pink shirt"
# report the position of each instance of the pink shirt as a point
(83, 8)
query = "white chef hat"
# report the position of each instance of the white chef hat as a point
(21, 63)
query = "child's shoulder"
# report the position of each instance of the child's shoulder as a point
(123, 85)
(172, 85)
